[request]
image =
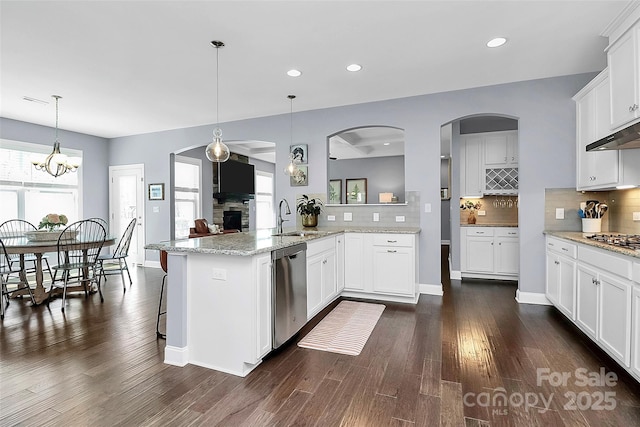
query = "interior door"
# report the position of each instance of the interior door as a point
(126, 201)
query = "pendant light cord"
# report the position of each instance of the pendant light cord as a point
(217, 88)
(57, 98)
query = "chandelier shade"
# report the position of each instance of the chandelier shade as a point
(292, 167)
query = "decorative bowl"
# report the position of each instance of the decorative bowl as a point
(49, 236)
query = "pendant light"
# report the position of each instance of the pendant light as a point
(217, 151)
(56, 163)
(291, 168)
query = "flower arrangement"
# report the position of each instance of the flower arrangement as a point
(468, 204)
(52, 222)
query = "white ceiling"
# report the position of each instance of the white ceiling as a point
(133, 67)
(374, 141)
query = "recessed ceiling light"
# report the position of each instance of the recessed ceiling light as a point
(354, 67)
(294, 73)
(497, 42)
(386, 143)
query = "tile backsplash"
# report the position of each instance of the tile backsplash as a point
(362, 215)
(496, 212)
(618, 219)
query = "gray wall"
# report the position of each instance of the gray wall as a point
(94, 170)
(543, 107)
(384, 175)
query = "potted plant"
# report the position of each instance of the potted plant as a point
(309, 209)
(468, 204)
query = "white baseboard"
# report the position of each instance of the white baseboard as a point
(456, 275)
(431, 289)
(531, 298)
(152, 264)
(176, 356)
(445, 242)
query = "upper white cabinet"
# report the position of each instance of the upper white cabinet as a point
(501, 149)
(471, 182)
(623, 58)
(595, 169)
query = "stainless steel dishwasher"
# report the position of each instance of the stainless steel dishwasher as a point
(289, 292)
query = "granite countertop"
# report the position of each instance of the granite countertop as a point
(576, 236)
(256, 242)
(488, 225)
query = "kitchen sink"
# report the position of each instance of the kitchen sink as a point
(301, 233)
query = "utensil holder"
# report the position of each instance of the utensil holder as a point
(591, 225)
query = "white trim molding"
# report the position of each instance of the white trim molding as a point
(431, 289)
(455, 275)
(176, 356)
(152, 264)
(532, 298)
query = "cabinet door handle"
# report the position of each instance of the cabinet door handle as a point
(513, 234)
(500, 244)
(324, 261)
(556, 262)
(392, 241)
(479, 232)
(565, 249)
(593, 280)
(551, 244)
(391, 252)
(633, 108)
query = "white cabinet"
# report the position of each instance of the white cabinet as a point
(501, 149)
(394, 264)
(635, 360)
(354, 261)
(623, 57)
(587, 301)
(561, 275)
(264, 306)
(490, 252)
(340, 262)
(595, 169)
(471, 174)
(322, 286)
(615, 317)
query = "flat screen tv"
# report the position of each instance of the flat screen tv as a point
(237, 180)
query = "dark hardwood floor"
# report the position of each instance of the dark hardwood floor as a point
(446, 361)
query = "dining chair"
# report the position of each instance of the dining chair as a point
(6, 269)
(116, 263)
(18, 228)
(102, 222)
(78, 247)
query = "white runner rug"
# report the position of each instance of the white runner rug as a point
(346, 329)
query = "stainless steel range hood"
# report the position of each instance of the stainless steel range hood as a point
(623, 139)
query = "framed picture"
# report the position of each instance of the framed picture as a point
(299, 153)
(356, 191)
(156, 191)
(335, 191)
(300, 177)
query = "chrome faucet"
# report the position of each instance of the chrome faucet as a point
(288, 212)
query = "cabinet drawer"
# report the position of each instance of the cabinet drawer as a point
(479, 231)
(507, 232)
(405, 240)
(562, 247)
(604, 261)
(317, 246)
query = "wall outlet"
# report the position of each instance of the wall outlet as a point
(636, 216)
(427, 207)
(331, 217)
(156, 209)
(348, 216)
(559, 213)
(399, 218)
(376, 217)
(482, 213)
(219, 274)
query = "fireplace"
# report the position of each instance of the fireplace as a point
(232, 220)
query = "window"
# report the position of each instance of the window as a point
(187, 194)
(30, 194)
(265, 216)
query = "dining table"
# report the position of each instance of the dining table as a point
(21, 245)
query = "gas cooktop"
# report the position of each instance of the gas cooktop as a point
(629, 241)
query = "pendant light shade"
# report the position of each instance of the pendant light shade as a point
(217, 151)
(291, 168)
(56, 163)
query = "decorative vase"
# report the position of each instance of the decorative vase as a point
(49, 236)
(472, 217)
(309, 220)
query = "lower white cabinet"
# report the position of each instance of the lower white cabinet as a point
(635, 353)
(381, 266)
(322, 286)
(490, 252)
(264, 306)
(607, 303)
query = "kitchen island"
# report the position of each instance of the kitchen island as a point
(219, 294)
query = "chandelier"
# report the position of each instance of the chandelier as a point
(217, 151)
(56, 163)
(292, 167)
